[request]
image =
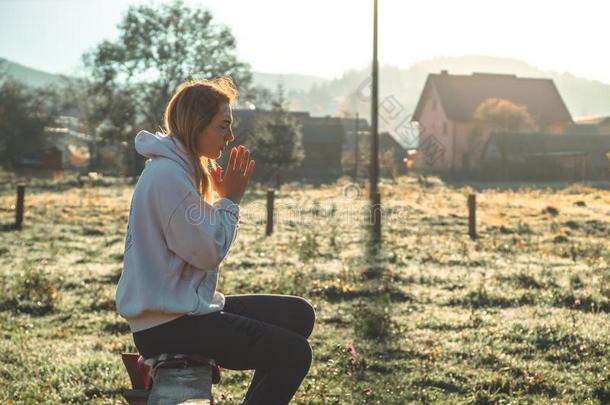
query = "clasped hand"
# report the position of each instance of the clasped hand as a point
(234, 182)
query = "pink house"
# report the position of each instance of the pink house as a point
(445, 110)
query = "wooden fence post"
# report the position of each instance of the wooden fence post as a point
(270, 198)
(376, 217)
(19, 206)
(472, 216)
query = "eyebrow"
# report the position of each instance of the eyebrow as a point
(227, 121)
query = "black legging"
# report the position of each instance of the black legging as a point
(264, 332)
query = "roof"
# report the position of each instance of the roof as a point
(460, 95)
(602, 121)
(582, 129)
(537, 144)
(316, 130)
(245, 121)
(387, 140)
(349, 125)
(323, 130)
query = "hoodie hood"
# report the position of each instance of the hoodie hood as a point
(160, 145)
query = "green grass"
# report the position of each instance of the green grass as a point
(520, 315)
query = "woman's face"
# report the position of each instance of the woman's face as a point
(217, 135)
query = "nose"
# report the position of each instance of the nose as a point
(231, 137)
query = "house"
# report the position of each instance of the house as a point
(445, 110)
(546, 156)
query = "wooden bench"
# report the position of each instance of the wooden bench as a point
(172, 383)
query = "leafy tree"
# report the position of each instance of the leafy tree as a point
(24, 114)
(504, 115)
(277, 138)
(387, 161)
(106, 113)
(159, 46)
(263, 98)
(496, 114)
(348, 159)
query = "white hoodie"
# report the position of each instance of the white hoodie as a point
(175, 240)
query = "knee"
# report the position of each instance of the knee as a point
(306, 354)
(308, 359)
(295, 354)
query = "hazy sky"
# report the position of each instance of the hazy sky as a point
(327, 37)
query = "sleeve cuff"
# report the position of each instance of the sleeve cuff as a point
(227, 205)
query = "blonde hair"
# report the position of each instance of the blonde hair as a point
(190, 111)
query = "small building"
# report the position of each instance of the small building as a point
(62, 147)
(582, 129)
(74, 146)
(601, 123)
(47, 158)
(390, 148)
(323, 139)
(358, 136)
(546, 157)
(351, 127)
(448, 102)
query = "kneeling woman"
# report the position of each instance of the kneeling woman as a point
(177, 237)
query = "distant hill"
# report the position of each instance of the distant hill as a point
(32, 77)
(294, 82)
(347, 94)
(339, 96)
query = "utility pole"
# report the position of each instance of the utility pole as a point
(375, 196)
(357, 135)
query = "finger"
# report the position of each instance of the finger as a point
(249, 169)
(242, 156)
(232, 159)
(218, 174)
(238, 156)
(245, 161)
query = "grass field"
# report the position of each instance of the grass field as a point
(520, 315)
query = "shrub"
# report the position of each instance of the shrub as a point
(308, 247)
(372, 319)
(31, 291)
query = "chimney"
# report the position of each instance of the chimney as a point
(444, 72)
